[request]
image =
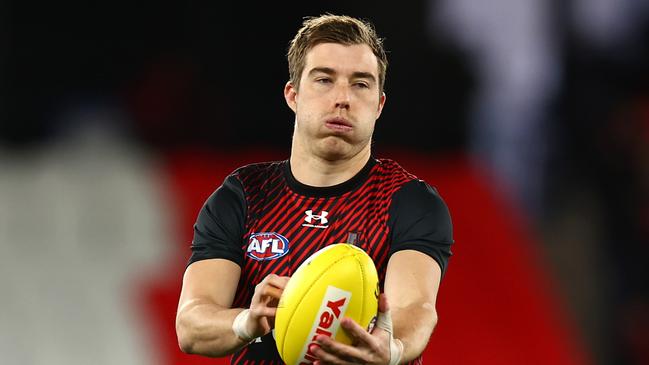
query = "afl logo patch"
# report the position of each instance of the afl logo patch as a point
(267, 246)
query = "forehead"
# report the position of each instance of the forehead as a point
(342, 58)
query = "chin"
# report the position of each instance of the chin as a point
(332, 150)
(332, 155)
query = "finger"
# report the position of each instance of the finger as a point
(266, 311)
(356, 332)
(276, 280)
(269, 291)
(271, 302)
(340, 350)
(327, 358)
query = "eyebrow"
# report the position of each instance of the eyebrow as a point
(331, 71)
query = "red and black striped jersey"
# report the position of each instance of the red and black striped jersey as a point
(266, 221)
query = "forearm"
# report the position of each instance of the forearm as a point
(206, 329)
(413, 325)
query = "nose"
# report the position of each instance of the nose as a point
(342, 96)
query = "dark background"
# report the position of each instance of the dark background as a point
(217, 70)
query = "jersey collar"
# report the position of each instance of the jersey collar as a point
(328, 191)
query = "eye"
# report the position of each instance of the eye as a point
(323, 80)
(362, 85)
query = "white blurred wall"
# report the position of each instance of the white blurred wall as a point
(81, 222)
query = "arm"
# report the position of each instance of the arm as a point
(422, 235)
(204, 318)
(411, 285)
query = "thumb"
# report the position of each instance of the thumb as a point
(384, 319)
(384, 306)
(384, 322)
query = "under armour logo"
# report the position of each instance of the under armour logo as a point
(322, 217)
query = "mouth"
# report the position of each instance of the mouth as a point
(339, 124)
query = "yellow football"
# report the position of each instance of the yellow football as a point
(338, 281)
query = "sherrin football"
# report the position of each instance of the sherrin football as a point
(338, 281)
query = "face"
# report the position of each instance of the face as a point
(338, 100)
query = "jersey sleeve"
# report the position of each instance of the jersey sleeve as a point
(419, 220)
(220, 224)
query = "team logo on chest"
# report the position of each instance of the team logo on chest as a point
(267, 246)
(316, 220)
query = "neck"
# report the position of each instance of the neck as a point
(317, 171)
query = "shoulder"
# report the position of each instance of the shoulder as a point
(417, 206)
(234, 186)
(245, 178)
(408, 184)
(391, 169)
(418, 195)
(412, 197)
(390, 176)
(256, 171)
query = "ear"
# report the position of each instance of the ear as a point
(381, 104)
(290, 94)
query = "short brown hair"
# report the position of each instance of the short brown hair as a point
(331, 28)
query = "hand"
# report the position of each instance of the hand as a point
(263, 306)
(368, 348)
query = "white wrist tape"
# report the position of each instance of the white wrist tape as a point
(239, 326)
(396, 351)
(384, 321)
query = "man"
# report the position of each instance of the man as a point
(331, 190)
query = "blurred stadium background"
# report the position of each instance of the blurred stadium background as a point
(117, 120)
